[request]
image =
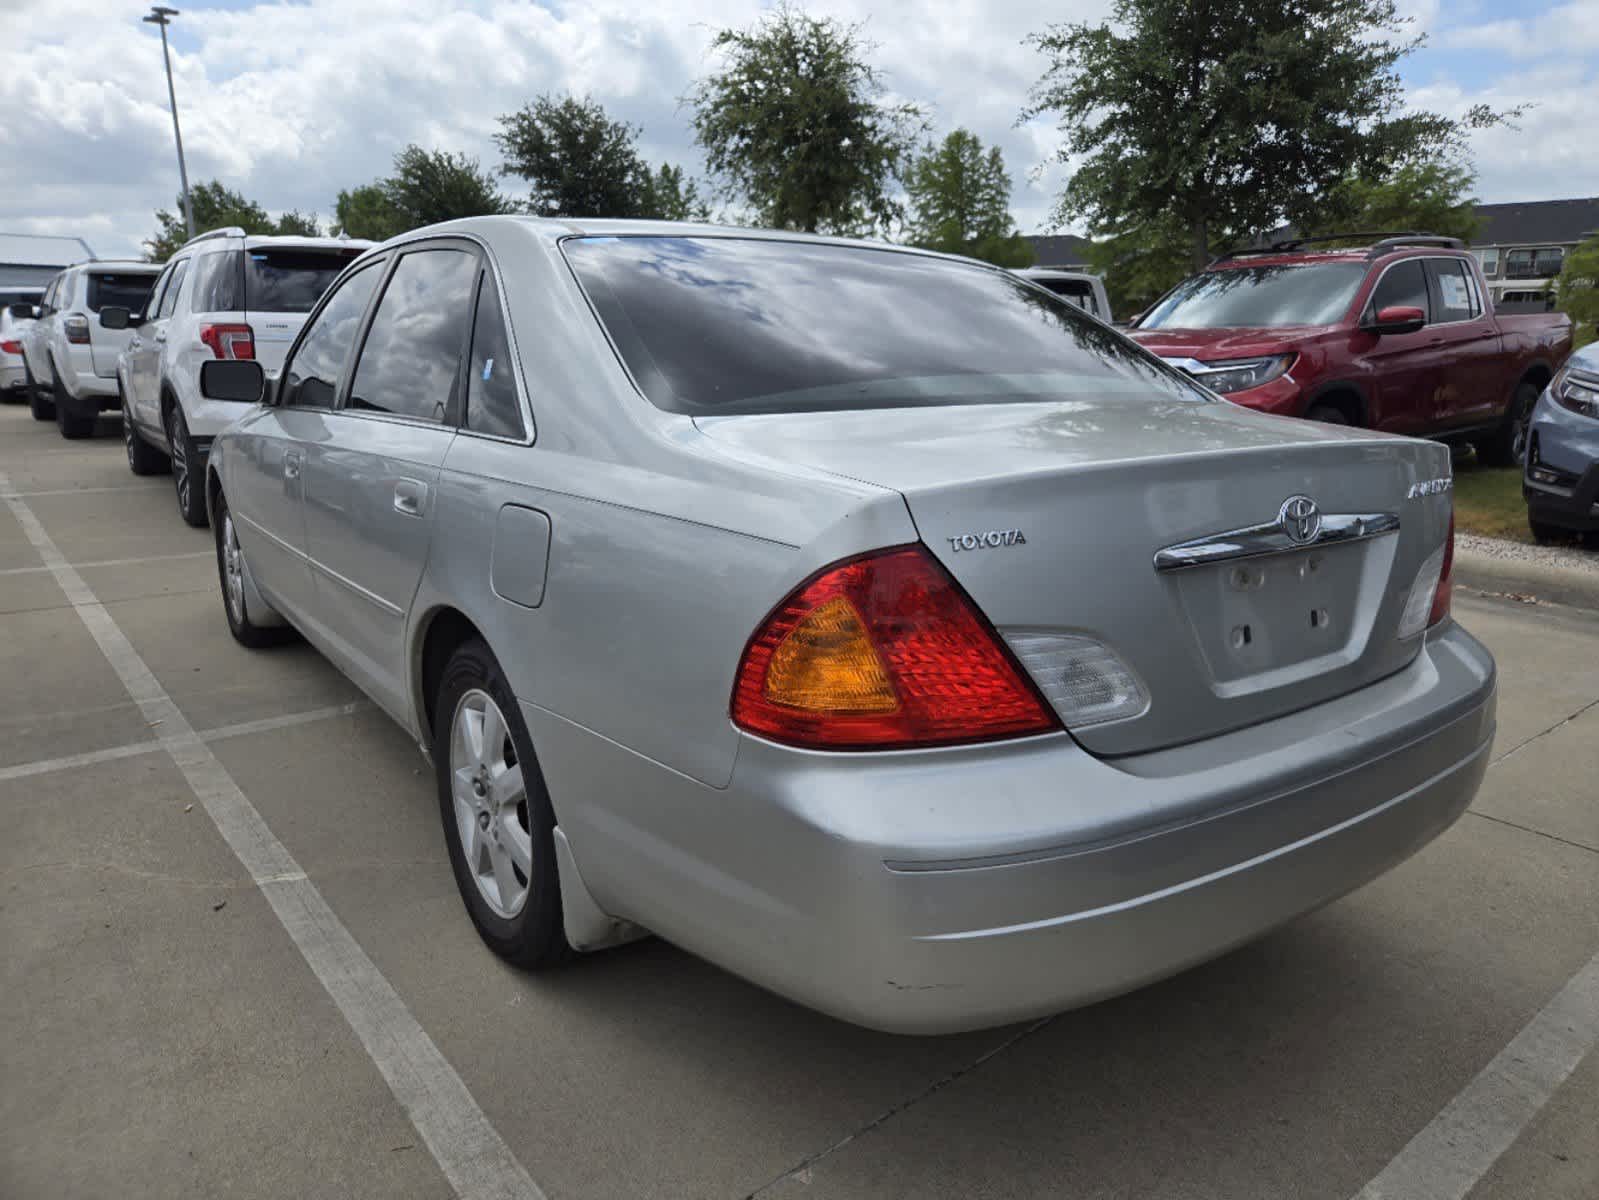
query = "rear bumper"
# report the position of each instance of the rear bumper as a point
(934, 891)
(12, 376)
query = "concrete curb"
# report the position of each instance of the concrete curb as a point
(1562, 585)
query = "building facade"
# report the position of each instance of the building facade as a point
(1523, 246)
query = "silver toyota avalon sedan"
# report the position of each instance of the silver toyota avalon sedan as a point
(869, 622)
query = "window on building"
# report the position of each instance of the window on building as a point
(1540, 263)
(1489, 258)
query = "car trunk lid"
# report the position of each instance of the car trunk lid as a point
(1051, 516)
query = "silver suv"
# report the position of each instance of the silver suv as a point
(70, 363)
(223, 295)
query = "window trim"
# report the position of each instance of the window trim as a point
(341, 397)
(1367, 310)
(158, 291)
(381, 264)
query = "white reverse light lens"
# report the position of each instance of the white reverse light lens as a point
(1419, 606)
(1083, 680)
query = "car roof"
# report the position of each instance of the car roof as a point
(123, 265)
(294, 241)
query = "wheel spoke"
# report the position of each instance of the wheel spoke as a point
(504, 876)
(492, 736)
(469, 730)
(506, 787)
(517, 843)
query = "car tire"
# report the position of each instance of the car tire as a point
(1543, 533)
(191, 496)
(42, 408)
(230, 574)
(501, 842)
(71, 426)
(1507, 446)
(1328, 414)
(143, 458)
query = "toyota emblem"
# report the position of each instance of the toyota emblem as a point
(1300, 519)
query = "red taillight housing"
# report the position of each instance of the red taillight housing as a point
(1444, 593)
(229, 341)
(11, 347)
(77, 330)
(883, 652)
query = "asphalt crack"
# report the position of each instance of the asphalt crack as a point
(802, 1168)
(1544, 733)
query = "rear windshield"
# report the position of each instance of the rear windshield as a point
(1253, 297)
(290, 281)
(118, 291)
(736, 325)
(1072, 291)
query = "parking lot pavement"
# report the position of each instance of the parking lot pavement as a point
(163, 1032)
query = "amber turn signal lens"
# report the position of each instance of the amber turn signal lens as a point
(827, 664)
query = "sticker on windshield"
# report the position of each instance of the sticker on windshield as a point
(1454, 290)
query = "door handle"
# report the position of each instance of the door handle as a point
(410, 497)
(291, 466)
(161, 335)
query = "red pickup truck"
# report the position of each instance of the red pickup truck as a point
(1399, 336)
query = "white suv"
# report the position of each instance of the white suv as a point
(70, 362)
(225, 294)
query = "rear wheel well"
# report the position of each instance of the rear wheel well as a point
(168, 403)
(1345, 400)
(448, 630)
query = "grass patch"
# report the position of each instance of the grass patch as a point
(1488, 501)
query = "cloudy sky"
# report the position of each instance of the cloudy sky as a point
(291, 101)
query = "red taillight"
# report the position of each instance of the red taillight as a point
(883, 652)
(229, 341)
(11, 347)
(1442, 596)
(77, 330)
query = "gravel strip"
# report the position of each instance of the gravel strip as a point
(1560, 557)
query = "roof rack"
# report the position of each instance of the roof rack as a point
(225, 231)
(1381, 242)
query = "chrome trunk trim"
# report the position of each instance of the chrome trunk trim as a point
(1258, 541)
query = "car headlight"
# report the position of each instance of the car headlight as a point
(1577, 390)
(1239, 374)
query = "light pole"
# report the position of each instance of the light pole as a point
(160, 15)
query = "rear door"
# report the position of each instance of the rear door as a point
(1469, 391)
(144, 355)
(1404, 366)
(371, 482)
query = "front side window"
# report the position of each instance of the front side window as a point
(1404, 285)
(174, 286)
(1073, 292)
(153, 301)
(412, 355)
(1453, 297)
(744, 325)
(311, 378)
(491, 401)
(113, 289)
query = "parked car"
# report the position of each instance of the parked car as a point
(1399, 337)
(15, 319)
(1086, 291)
(866, 621)
(224, 295)
(1561, 473)
(70, 361)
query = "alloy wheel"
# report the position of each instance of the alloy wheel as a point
(1518, 432)
(180, 461)
(128, 434)
(233, 568)
(490, 801)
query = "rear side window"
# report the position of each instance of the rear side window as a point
(491, 402)
(169, 301)
(218, 283)
(312, 376)
(108, 288)
(1453, 297)
(1080, 294)
(744, 325)
(1404, 286)
(290, 281)
(412, 355)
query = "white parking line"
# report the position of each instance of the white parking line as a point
(111, 562)
(1447, 1158)
(121, 487)
(89, 758)
(471, 1154)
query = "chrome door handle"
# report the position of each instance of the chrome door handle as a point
(410, 497)
(161, 336)
(291, 466)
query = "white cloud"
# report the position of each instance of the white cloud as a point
(289, 102)
(1567, 30)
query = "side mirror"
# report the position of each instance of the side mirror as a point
(1396, 318)
(115, 317)
(25, 312)
(237, 381)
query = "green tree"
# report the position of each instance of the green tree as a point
(1577, 289)
(578, 161)
(427, 186)
(367, 212)
(1429, 197)
(1232, 117)
(672, 196)
(796, 124)
(299, 224)
(1139, 267)
(215, 207)
(959, 202)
